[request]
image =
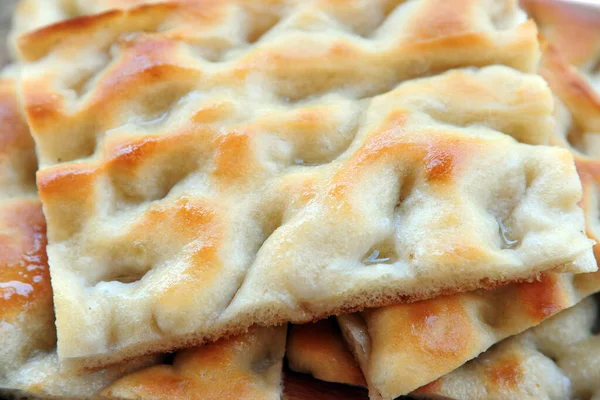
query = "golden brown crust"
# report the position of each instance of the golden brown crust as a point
(26, 314)
(317, 348)
(573, 90)
(23, 260)
(555, 360)
(28, 360)
(17, 156)
(247, 367)
(526, 304)
(277, 129)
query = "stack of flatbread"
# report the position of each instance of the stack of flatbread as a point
(182, 182)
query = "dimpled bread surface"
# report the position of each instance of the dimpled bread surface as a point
(28, 359)
(560, 358)
(385, 344)
(247, 366)
(255, 163)
(471, 322)
(149, 129)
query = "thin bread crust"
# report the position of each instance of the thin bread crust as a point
(254, 177)
(385, 341)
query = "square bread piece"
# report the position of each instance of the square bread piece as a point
(387, 340)
(209, 167)
(379, 338)
(248, 366)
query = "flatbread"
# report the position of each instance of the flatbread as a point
(248, 366)
(559, 359)
(25, 293)
(256, 175)
(30, 15)
(436, 336)
(28, 360)
(243, 367)
(573, 30)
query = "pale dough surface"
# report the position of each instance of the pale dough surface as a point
(270, 161)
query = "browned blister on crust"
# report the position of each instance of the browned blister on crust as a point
(248, 366)
(262, 162)
(439, 335)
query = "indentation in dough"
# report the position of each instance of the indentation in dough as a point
(142, 171)
(313, 148)
(154, 325)
(85, 146)
(364, 19)
(263, 363)
(261, 25)
(406, 188)
(83, 82)
(488, 315)
(126, 274)
(381, 253)
(270, 222)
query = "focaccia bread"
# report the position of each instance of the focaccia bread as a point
(250, 176)
(436, 336)
(243, 367)
(400, 348)
(247, 366)
(25, 294)
(531, 365)
(33, 14)
(557, 360)
(28, 360)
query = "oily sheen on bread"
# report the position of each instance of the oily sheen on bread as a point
(25, 293)
(189, 168)
(248, 366)
(387, 340)
(558, 359)
(28, 360)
